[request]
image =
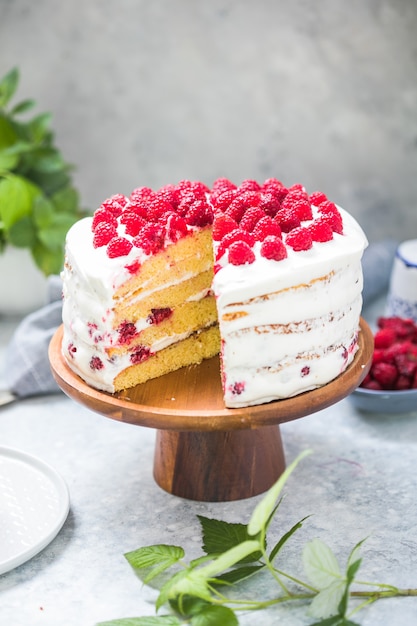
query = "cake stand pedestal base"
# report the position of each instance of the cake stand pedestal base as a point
(218, 466)
(205, 451)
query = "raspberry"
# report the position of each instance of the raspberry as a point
(402, 383)
(384, 338)
(104, 232)
(250, 218)
(372, 385)
(378, 355)
(335, 221)
(240, 253)
(272, 184)
(118, 246)
(140, 207)
(249, 185)
(158, 207)
(297, 189)
(134, 267)
(151, 238)
(156, 316)
(71, 350)
(276, 188)
(273, 248)
(96, 363)
(196, 189)
(133, 222)
(266, 226)
(140, 354)
(223, 199)
(199, 214)
(305, 370)
(242, 202)
(385, 374)
(222, 225)
(330, 213)
(299, 239)
(303, 208)
(176, 226)
(287, 219)
(126, 331)
(237, 388)
(103, 215)
(234, 235)
(115, 204)
(317, 197)
(141, 193)
(269, 203)
(405, 365)
(170, 194)
(221, 185)
(403, 327)
(320, 230)
(327, 207)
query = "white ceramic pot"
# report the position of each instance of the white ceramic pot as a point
(22, 284)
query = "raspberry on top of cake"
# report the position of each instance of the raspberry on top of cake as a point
(151, 279)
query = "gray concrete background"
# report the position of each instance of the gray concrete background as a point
(149, 92)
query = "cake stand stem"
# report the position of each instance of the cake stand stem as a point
(218, 466)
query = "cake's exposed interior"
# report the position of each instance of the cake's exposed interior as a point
(268, 276)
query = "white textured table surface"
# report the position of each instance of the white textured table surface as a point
(360, 482)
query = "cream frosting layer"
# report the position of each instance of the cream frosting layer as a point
(290, 326)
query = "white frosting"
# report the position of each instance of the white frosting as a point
(278, 318)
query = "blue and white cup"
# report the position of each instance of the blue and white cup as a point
(402, 295)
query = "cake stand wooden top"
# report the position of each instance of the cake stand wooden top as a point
(191, 399)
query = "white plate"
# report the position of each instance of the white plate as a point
(34, 504)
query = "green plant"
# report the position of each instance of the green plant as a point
(196, 592)
(38, 202)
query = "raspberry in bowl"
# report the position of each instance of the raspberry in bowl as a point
(391, 384)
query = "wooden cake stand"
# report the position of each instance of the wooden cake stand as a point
(204, 451)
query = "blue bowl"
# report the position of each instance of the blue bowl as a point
(384, 401)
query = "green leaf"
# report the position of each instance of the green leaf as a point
(326, 602)
(53, 236)
(43, 212)
(22, 234)
(184, 583)
(335, 620)
(162, 620)
(214, 616)
(47, 160)
(195, 581)
(66, 201)
(49, 261)
(22, 107)
(49, 182)
(16, 198)
(8, 86)
(39, 127)
(188, 605)
(8, 135)
(275, 550)
(8, 160)
(155, 559)
(262, 513)
(219, 536)
(239, 573)
(320, 564)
